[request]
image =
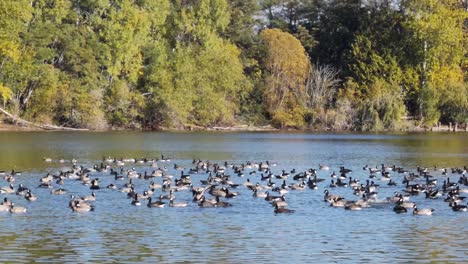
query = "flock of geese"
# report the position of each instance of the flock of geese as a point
(216, 188)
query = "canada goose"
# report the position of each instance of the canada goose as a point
(22, 190)
(282, 210)
(79, 206)
(229, 194)
(280, 202)
(353, 207)
(47, 179)
(15, 210)
(8, 189)
(158, 203)
(176, 204)
(167, 197)
(459, 207)
(91, 197)
(323, 167)
(217, 192)
(329, 197)
(135, 200)
(111, 186)
(424, 211)
(220, 203)
(298, 186)
(10, 178)
(47, 159)
(259, 195)
(338, 202)
(58, 191)
(399, 209)
(205, 203)
(30, 197)
(4, 208)
(95, 184)
(406, 205)
(6, 202)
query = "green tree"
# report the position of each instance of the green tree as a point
(286, 67)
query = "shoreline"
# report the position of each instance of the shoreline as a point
(246, 128)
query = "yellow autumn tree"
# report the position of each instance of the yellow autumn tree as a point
(286, 65)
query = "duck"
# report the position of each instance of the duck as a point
(158, 204)
(283, 210)
(424, 211)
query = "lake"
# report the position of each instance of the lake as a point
(247, 232)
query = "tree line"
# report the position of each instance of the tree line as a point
(323, 64)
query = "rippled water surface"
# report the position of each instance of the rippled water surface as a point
(249, 230)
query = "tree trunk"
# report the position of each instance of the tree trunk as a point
(23, 122)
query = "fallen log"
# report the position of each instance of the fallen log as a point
(20, 121)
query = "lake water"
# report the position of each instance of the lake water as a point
(247, 232)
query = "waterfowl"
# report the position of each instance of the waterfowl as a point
(16, 210)
(58, 191)
(158, 203)
(256, 194)
(399, 209)
(323, 167)
(206, 203)
(4, 208)
(271, 197)
(8, 189)
(176, 204)
(220, 203)
(280, 203)
(424, 211)
(282, 210)
(135, 200)
(6, 202)
(22, 190)
(330, 197)
(111, 186)
(30, 197)
(353, 207)
(217, 192)
(91, 197)
(79, 206)
(94, 184)
(338, 202)
(459, 207)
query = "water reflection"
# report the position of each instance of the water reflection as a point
(247, 232)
